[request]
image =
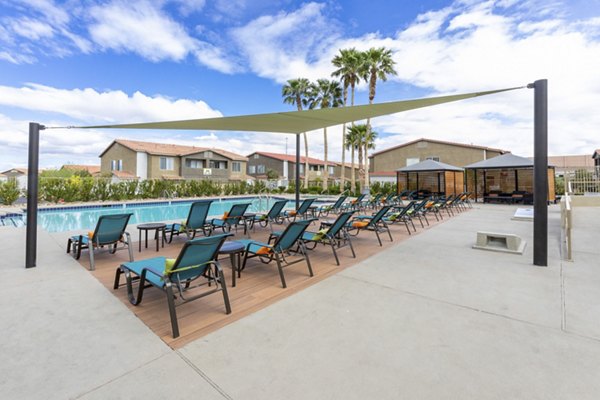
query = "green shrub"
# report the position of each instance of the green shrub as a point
(9, 192)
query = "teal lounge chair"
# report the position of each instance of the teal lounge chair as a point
(374, 223)
(281, 250)
(325, 209)
(302, 210)
(273, 216)
(196, 261)
(357, 204)
(233, 218)
(195, 222)
(401, 214)
(109, 232)
(333, 234)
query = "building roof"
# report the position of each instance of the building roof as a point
(165, 149)
(508, 160)
(292, 158)
(470, 146)
(92, 169)
(430, 165)
(21, 170)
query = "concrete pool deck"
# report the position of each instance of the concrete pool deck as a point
(427, 318)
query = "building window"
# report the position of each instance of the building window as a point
(167, 163)
(301, 168)
(434, 158)
(208, 154)
(260, 169)
(256, 156)
(411, 161)
(236, 166)
(331, 170)
(218, 164)
(196, 164)
(251, 169)
(116, 165)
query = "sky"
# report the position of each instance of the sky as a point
(93, 62)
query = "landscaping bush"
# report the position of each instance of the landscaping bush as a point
(9, 192)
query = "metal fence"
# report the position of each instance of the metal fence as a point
(583, 181)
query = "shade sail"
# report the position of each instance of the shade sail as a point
(429, 165)
(295, 122)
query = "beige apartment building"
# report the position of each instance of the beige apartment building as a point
(147, 160)
(383, 164)
(285, 166)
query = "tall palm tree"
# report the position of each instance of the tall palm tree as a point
(378, 64)
(296, 92)
(348, 63)
(357, 134)
(325, 94)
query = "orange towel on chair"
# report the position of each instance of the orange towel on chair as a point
(360, 224)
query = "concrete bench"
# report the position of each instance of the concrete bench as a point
(501, 242)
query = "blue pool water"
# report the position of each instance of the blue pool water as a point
(73, 218)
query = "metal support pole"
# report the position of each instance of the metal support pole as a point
(32, 194)
(298, 171)
(540, 173)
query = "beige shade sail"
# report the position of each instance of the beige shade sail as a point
(295, 122)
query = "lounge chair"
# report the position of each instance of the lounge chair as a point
(273, 216)
(197, 260)
(233, 218)
(281, 250)
(335, 208)
(109, 232)
(374, 202)
(332, 233)
(302, 211)
(374, 223)
(357, 204)
(195, 222)
(401, 214)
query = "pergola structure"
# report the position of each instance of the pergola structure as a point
(297, 122)
(506, 177)
(431, 176)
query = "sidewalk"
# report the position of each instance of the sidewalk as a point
(428, 318)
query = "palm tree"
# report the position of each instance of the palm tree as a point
(348, 64)
(296, 92)
(378, 64)
(325, 94)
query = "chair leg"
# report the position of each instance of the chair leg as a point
(127, 242)
(331, 242)
(69, 242)
(377, 234)
(224, 289)
(172, 312)
(280, 268)
(91, 251)
(305, 254)
(407, 227)
(347, 237)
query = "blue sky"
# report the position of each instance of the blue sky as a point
(86, 62)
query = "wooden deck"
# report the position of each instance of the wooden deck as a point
(258, 287)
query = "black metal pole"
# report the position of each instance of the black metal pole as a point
(32, 194)
(298, 171)
(540, 173)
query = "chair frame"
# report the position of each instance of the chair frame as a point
(302, 210)
(211, 270)
(190, 232)
(279, 253)
(376, 224)
(79, 243)
(337, 236)
(238, 211)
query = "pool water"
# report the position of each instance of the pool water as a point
(62, 220)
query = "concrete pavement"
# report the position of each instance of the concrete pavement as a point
(427, 318)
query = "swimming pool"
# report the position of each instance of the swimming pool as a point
(84, 218)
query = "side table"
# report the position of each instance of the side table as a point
(159, 230)
(235, 250)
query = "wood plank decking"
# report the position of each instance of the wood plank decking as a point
(258, 287)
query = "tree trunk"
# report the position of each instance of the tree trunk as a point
(360, 163)
(305, 161)
(343, 172)
(352, 172)
(372, 84)
(326, 170)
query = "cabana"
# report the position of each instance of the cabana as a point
(505, 179)
(431, 177)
